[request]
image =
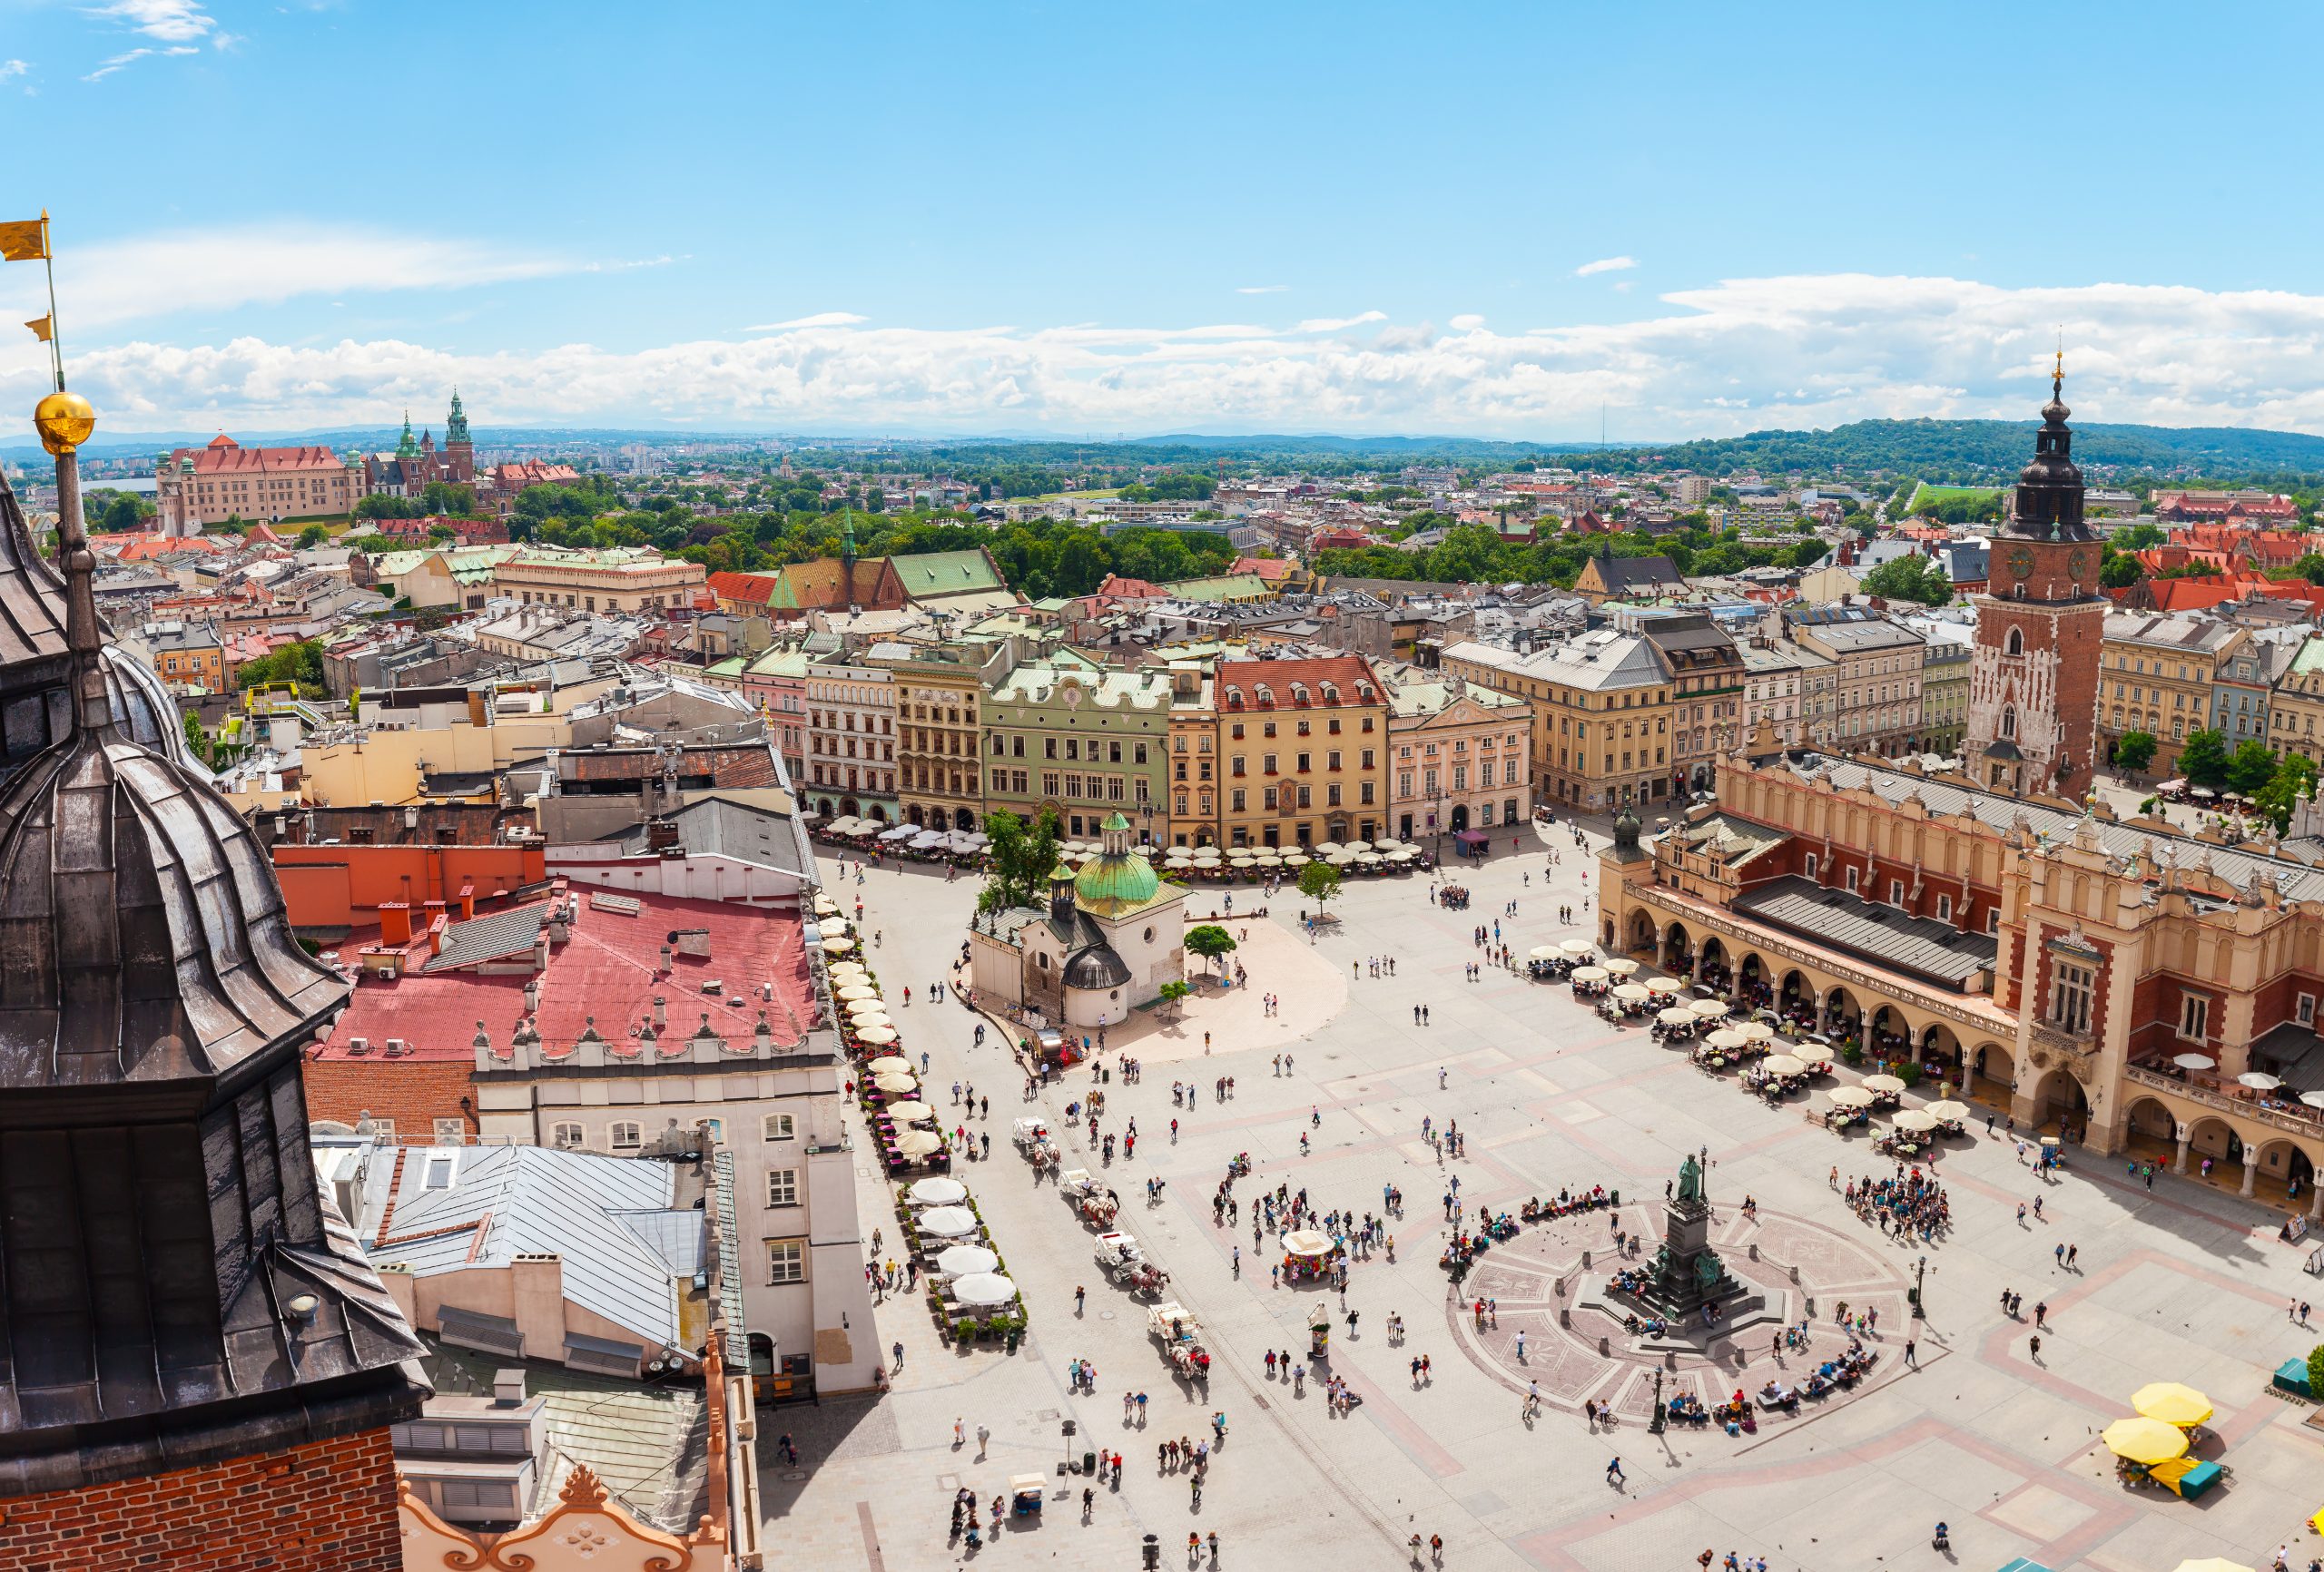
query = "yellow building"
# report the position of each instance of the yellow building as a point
(940, 774)
(1601, 715)
(622, 579)
(1305, 747)
(1194, 786)
(2154, 675)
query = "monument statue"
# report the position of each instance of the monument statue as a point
(1691, 1180)
(1687, 1272)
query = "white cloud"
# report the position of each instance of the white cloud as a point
(1337, 324)
(215, 270)
(1606, 265)
(1733, 356)
(1262, 288)
(170, 21)
(820, 319)
(11, 69)
(117, 61)
(1467, 323)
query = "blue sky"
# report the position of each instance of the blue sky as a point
(1079, 218)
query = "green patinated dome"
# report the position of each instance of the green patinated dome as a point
(1117, 878)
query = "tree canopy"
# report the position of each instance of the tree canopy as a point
(1023, 857)
(1920, 579)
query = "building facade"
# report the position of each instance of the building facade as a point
(1707, 674)
(1460, 756)
(1065, 735)
(1602, 707)
(1877, 667)
(194, 486)
(850, 739)
(940, 763)
(1304, 746)
(2156, 676)
(617, 579)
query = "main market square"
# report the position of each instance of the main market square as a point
(1353, 1048)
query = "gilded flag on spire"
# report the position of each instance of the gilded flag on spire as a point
(25, 240)
(43, 328)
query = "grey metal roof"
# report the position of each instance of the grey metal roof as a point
(539, 1200)
(2297, 880)
(1921, 946)
(490, 938)
(677, 1236)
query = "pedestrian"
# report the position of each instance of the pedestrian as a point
(960, 1439)
(1912, 1353)
(1080, 1294)
(984, 1437)
(899, 1351)
(2034, 1349)
(1614, 1474)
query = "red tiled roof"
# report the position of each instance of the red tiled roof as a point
(224, 455)
(1238, 683)
(750, 588)
(606, 970)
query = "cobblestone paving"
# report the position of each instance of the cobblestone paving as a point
(2178, 1282)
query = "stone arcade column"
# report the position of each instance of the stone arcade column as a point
(2186, 1133)
(2250, 1168)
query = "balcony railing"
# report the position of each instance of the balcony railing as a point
(2274, 1118)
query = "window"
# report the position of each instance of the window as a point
(453, 1132)
(1895, 892)
(2071, 989)
(2306, 1010)
(567, 1135)
(1944, 909)
(2194, 1017)
(439, 1171)
(786, 1260)
(779, 1128)
(622, 1135)
(782, 1187)
(1851, 880)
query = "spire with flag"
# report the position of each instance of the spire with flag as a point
(26, 240)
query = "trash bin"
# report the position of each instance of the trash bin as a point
(1106, 1074)
(1089, 1462)
(1151, 1549)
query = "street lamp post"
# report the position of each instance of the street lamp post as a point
(1920, 1288)
(1656, 1423)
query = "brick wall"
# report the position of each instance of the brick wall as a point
(414, 1093)
(324, 1507)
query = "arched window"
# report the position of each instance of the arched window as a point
(2015, 643)
(2009, 718)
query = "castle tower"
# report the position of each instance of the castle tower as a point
(197, 1364)
(2033, 679)
(459, 451)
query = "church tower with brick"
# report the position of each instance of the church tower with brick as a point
(2033, 679)
(198, 1368)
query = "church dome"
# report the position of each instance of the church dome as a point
(1117, 879)
(1098, 967)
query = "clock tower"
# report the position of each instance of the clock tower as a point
(2033, 683)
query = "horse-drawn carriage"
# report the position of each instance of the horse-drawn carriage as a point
(1119, 1258)
(1092, 1200)
(1174, 1326)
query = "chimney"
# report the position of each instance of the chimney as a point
(436, 932)
(483, 1043)
(395, 922)
(532, 996)
(467, 902)
(661, 1011)
(763, 1039)
(558, 929)
(508, 1389)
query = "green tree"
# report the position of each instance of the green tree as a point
(2137, 537)
(2251, 767)
(313, 535)
(2134, 750)
(1319, 882)
(2120, 572)
(1211, 942)
(1174, 994)
(1023, 857)
(114, 512)
(2310, 567)
(2293, 783)
(448, 497)
(196, 739)
(302, 663)
(2203, 760)
(1911, 578)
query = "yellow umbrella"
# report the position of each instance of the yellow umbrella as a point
(2212, 1564)
(2171, 1403)
(2144, 1441)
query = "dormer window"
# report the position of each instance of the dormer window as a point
(1298, 693)
(1363, 691)
(1265, 694)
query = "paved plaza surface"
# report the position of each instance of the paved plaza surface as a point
(2176, 1282)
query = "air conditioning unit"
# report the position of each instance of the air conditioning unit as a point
(359, 1045)
(397, 1047)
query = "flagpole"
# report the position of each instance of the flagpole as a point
(48, 261)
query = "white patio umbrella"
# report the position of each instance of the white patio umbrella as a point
(1544, 952)
(1663, 985)
(2313, 1099)
(945, 1222)
(859, 1009)
(1708, 1009)
(1589, 974)
(1851, 1097)
(1631, 992)
(1622, 966)
(843, 972)
(835, 925)
(984, 1289)
(1576, 947)
(936, 1191)
(1915, 1119)
(966, 1261)
(1307, 1243)
(1877, 1083)
(1296, 860)
(1388, 845)
(2195, 1062)
(2258, 1080)
(838, 946)
(920, 1143)
(879, 1034)
(912, 1112)
(1324, 848)
(1783, 1064)
(1948, 1111)
(853, 992)
(1725, 1038)
(1757, 1031)
(889, 1075)
(1675, 1018)
(825, 906)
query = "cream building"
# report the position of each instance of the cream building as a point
(620, 579)
(1112, 936)
(1460, 756)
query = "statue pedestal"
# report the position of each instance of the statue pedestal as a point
(1739, 1313)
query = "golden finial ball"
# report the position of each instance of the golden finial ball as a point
(64, 421)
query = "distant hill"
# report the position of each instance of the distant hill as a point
(1966, 452)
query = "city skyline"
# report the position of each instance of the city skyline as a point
(1034, 222)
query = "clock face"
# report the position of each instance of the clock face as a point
(2021, 563)
(2078, 564)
